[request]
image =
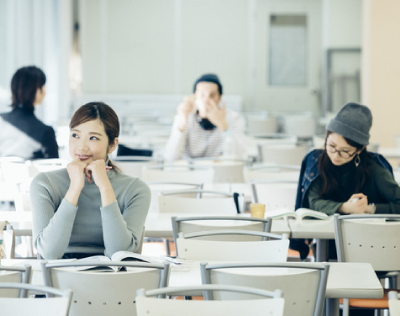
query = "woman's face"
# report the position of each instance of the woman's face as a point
(40, 94)
(89, 142)
(336, 143)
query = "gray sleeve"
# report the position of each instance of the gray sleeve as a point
(122, 229)
(317, 203)
(52, 226)
(175, 147)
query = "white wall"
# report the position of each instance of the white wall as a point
(36, 32)
(342, 23)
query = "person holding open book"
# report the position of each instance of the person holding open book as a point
(344, 177)
(90, 207)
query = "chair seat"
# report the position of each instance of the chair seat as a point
(374, 303)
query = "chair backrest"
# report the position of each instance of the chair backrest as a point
(267, 302)
(156, 187)
(374, 239)
(209, 223)
(274, 194)
(299, 125)
(58, 306)
(209, 203)
(191, 248)
(303, 284)
(15, 275)
(261, 125)
(104, 293)
(178, 173)
(133, 165)
(394, 303)
(225, 170)
(282, 154)
(271, 172)
(16, 173)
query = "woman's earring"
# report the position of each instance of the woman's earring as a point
(357, 160)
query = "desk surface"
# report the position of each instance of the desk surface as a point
(346, 280)
(310, 228)
(159, 224)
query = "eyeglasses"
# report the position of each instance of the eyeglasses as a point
(342, 153)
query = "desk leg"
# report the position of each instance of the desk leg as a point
(332, 307)
(322, 250)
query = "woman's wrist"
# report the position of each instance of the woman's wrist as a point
(72, 195)
(107, 195)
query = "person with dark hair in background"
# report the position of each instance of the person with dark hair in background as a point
(202, 125)
(22, 134)
(90, 207)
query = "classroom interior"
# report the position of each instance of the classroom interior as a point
(218, 229)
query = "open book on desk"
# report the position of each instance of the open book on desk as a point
(118, 256)
(301, 213)
(123, 256)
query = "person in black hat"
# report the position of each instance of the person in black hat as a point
(344, 177)
(203, 124)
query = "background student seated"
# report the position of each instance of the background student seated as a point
(22, 134)
(202, 124)
(344, 177)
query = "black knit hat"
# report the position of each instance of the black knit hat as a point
(353, 121)
(209, 78)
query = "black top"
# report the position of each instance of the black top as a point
(379, 187)
(23, 132)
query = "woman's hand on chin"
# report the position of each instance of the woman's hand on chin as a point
(97, 171)
(76, 170)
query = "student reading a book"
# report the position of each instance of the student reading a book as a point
(344, 177)
(90, 207)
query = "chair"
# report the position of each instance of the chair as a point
(271, 172)
(274, 194)
(133, 165)
(148, 306)
(206, 202)
(157, 186)
(190, 248)
(104, 293)
(225, 170)
(301, 126)
(303, 284)
(282, 154)
(15, 275)
(261, 125)
(26, 306)
(394, 303)
(212, 223)
(178, 173)
(372, 239)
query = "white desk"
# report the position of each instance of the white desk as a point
(159, 224)
(322, 230)
(346, 280)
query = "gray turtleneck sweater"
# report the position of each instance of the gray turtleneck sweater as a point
(59, 227)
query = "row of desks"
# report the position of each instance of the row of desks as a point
(346, 280)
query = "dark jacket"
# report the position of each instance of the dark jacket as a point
(23, 135)
(309, 172)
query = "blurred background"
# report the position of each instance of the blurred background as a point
(272, 56)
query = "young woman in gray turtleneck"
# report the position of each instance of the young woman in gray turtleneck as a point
(90, 207)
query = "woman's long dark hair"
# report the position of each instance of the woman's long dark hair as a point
(330, 181)
(24, 85)
(98, 110)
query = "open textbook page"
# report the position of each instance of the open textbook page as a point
(301, 213)
(123, 256)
